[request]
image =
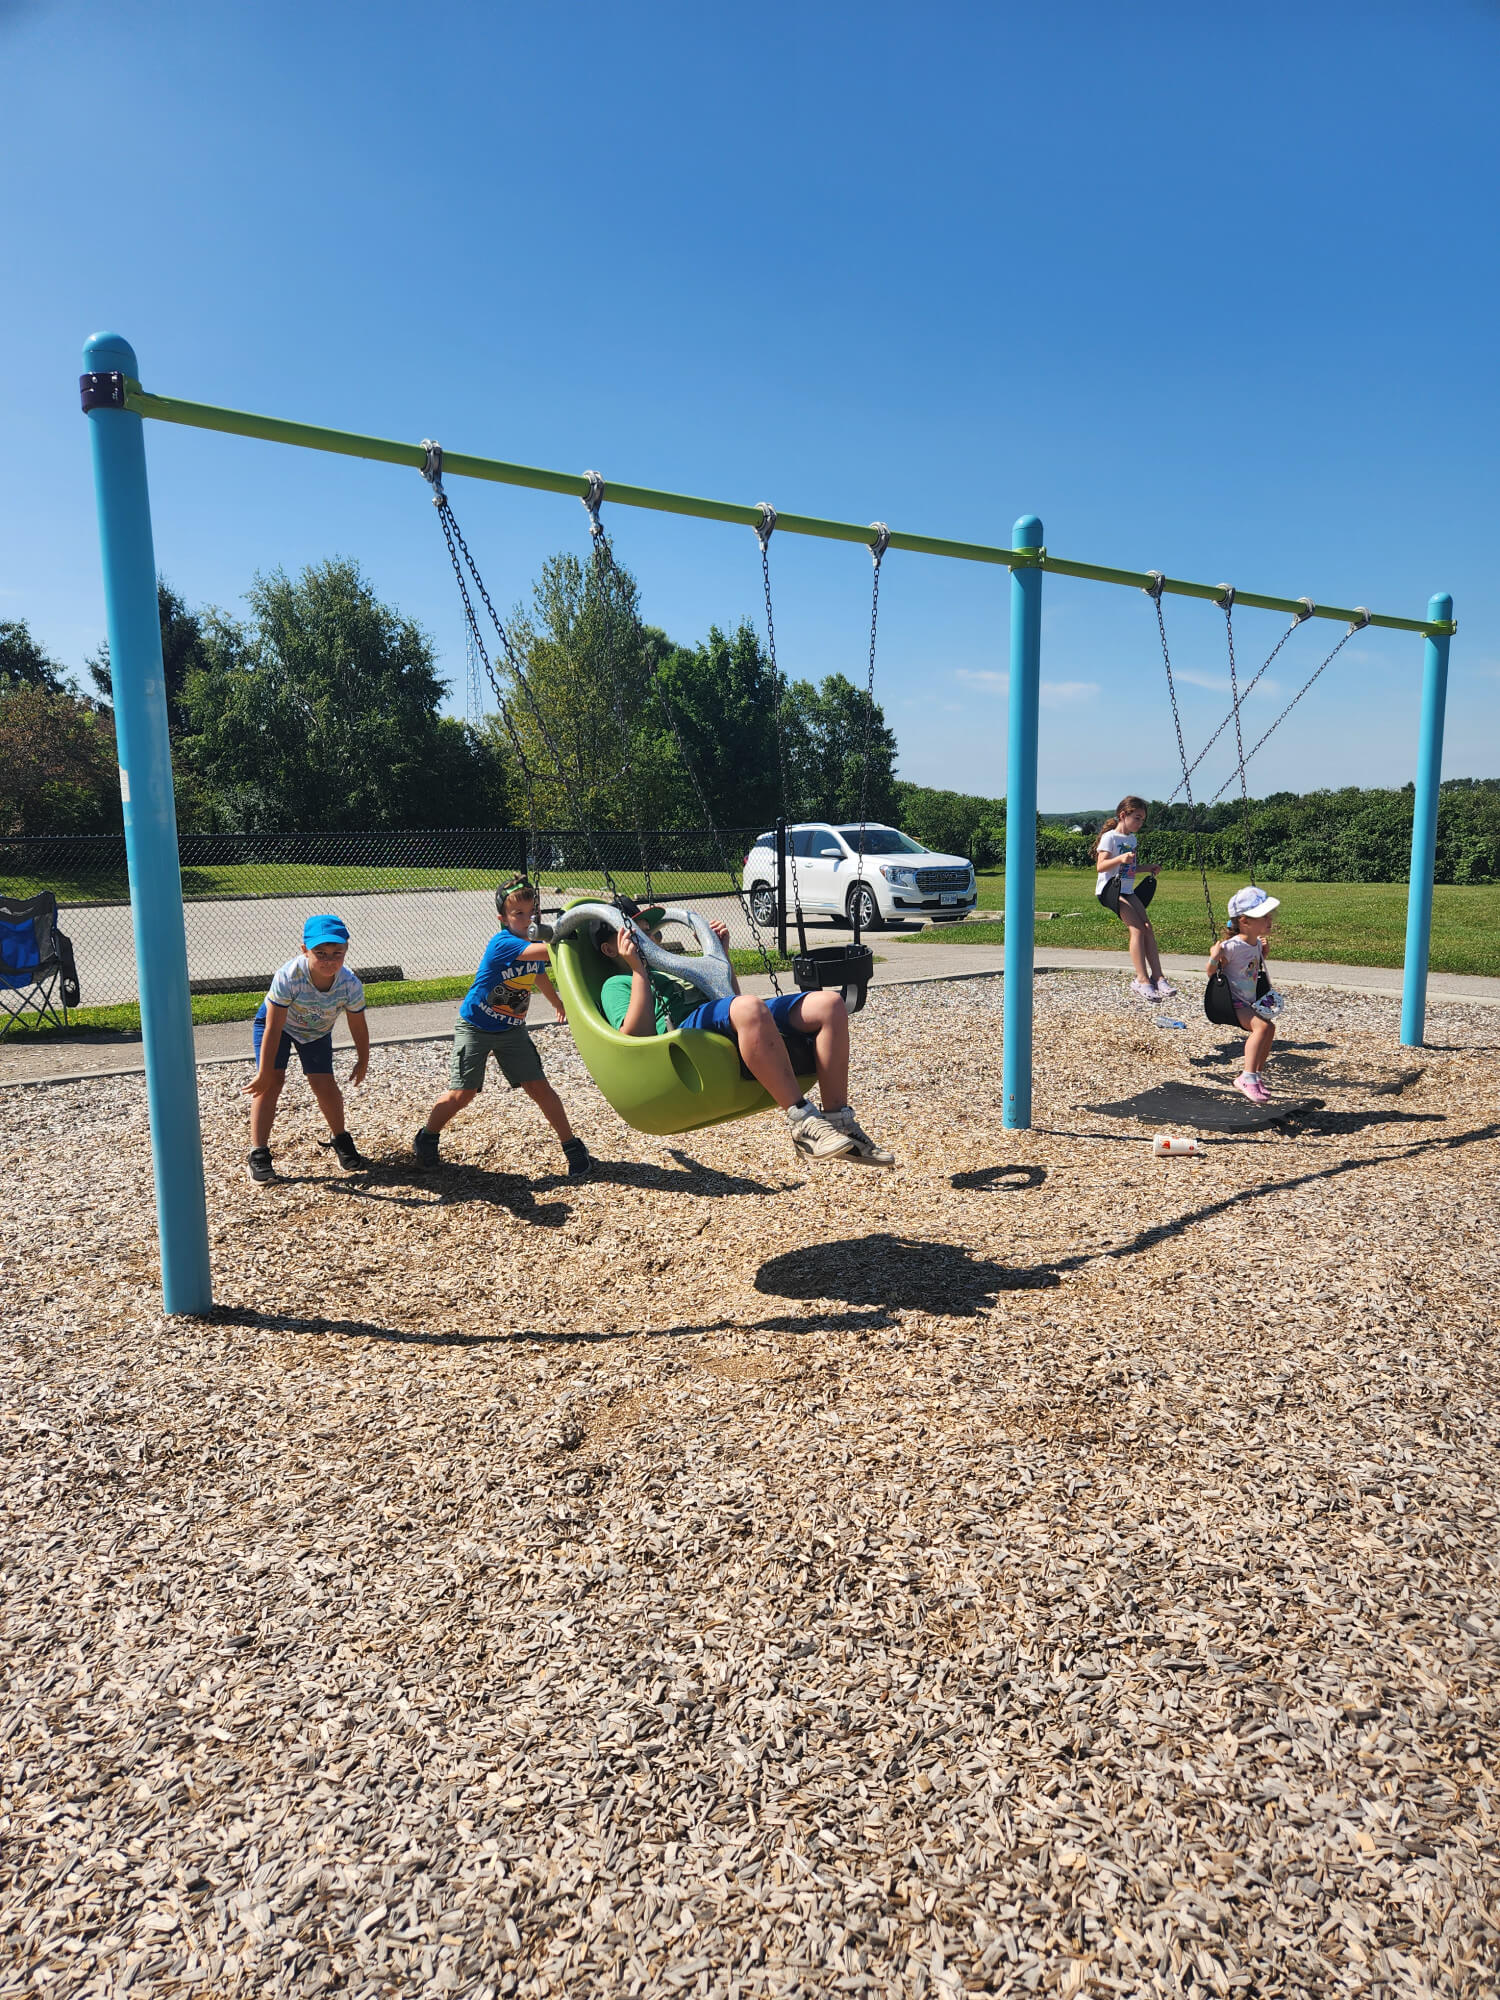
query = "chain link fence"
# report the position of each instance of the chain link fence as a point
(419, 903)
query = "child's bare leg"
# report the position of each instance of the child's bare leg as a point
(263, 1110)
(1258, 1044)
(1152, 950)
(825, 1017)
(1134, 919)
(547, 1101)
(764, 1052)
(330, 1101)
(447, 1109)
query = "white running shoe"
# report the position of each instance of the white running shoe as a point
(814, 1136)
(865, 1149)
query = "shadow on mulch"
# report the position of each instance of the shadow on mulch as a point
(1000, 1180)
(354, 1329)
(690, 1176)
(897, 1275)
(1146, 1239)
(397, 1185)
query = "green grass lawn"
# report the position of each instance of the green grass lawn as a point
(282, 878)
(126, 1020)
(1331, 923)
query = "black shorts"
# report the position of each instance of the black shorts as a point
(1143, 891)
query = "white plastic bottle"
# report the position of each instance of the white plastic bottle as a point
(1174, 1145)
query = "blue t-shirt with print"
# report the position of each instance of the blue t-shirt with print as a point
(502, 987)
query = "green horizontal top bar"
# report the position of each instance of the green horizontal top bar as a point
(390, 451)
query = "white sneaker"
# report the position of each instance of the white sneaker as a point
(865, 1149)
(814, 1136)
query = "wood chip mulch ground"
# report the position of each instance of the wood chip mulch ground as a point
(1041, 1569)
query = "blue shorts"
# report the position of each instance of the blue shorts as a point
(714, 1014)
(316, 1057)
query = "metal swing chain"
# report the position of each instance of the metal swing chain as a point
(432, 472)
(764, 531)
(1245, 759)
(605, 548)
(1154, 592)
(604, 570)
(1226, 605)
(877, 551)
(1297, 623)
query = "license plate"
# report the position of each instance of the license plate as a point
(944, 901)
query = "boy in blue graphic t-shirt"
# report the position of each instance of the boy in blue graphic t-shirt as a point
(492, 1022)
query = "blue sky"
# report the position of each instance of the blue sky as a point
(1210, 290)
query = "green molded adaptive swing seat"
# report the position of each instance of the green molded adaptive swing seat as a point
(657, 1083)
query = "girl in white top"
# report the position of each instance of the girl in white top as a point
(1241, 957)
(1116, 889)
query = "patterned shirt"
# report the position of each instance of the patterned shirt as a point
(311, 1013)
(500, 997)
(1243, 960)
(1110, 844)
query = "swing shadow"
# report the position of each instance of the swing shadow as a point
(1013, 1179)
(1147, 1239)
(898, 1274)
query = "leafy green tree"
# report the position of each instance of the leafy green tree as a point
(582, 738)
(721, 698)
(26, 664)
(951, 821)
(322, 711)
(58, 772)
(825, 732)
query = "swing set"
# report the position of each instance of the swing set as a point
(116, 404)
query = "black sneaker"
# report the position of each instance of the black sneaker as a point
(258, 1159)
(425, 1146)
(580, 1165)
(348, 1155)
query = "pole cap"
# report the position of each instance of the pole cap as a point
(1027, 533)
(104, 353)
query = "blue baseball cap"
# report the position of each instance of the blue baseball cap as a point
(324, 930)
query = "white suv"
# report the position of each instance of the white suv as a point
(900, 878)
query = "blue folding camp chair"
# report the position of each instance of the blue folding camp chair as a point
(37, 973)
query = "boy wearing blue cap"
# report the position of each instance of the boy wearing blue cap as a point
(306, 997)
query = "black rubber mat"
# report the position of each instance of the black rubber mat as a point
(1207, 1110)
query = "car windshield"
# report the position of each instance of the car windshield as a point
(883, 840)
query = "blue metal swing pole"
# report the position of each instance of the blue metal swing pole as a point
(1424, 827)
(140, 697)
(1020, 825)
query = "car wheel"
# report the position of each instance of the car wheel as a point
(862, 904)
(763, 904)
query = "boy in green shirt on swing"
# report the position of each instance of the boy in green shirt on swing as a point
(638, 1001)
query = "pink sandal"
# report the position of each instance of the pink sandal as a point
(1249, 1085)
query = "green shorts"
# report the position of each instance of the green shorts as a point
(513, 1049)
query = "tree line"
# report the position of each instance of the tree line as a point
(322, 708)
(1350, 835)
